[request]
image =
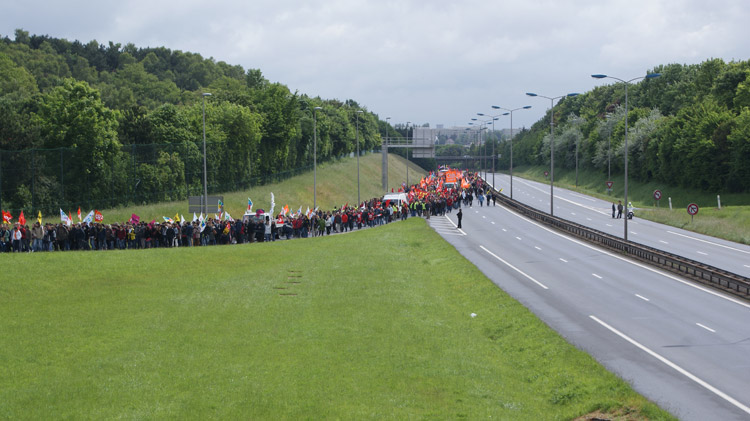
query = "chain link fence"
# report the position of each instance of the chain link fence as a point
(53, 179)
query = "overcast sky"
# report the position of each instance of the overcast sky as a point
(429, 61)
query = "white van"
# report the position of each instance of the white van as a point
(396, 198)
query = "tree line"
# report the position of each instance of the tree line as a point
(690, 127)
(107, 125)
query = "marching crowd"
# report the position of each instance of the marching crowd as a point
(428, 197)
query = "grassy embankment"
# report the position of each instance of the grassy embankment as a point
(731, 222)
(370, 325)
(336, 186)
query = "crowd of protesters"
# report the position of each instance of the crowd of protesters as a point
(425, 199)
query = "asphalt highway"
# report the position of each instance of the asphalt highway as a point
(597, 214)
(682, 345)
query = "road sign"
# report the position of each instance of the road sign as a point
(657, 194)
(610, 184)
(546, 173)
(692, 209)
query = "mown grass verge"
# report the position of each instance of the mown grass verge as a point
(369, 325)
(731, 222)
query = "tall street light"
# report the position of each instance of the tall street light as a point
(511, 139)
(626, 82)
(494, 117)
(384, 164)
(205, 178)
(552, 146)
(358, 200)
(315, 156)
(407, 154)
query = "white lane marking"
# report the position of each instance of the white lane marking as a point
(492, 222)
(514, 268)
(588, 219)
(504, 230)
(642, 266)
(537, 247)
(709, 242)
(518, 238)
(642, 297)
(567, 200)
(676, 367)
(664, 242)
(747, 266)
(563, 260)
(700, 252)
(455, 226)
(597, 276)
(706, 327)
(633, 232)
(583, 197)
(573, 213)
(609, 225)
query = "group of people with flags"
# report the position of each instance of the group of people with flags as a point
(437, 193)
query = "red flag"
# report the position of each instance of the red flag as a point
(21, 219)
(391, 189)
(7, 217)
(98, 217)
(79, 214)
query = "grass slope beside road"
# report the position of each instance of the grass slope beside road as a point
(731, 222)
(369, 325)
(336, 185)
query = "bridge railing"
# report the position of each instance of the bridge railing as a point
(701, 272)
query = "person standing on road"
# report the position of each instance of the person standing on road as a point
(459, 215)
(619, 209)
(613, 210)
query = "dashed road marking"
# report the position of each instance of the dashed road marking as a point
(518, 238)
(706, 327)
(538, 248)
(676, 367)
(700, 252)
(597, 276)
(642, 297)
(563, 260)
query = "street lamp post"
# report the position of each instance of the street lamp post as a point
(511, 139)
(626, 82)
(552, 146)
(205, 178)
(407, 154)
(494, 140)
(315, 157)
(384, 164)
(358, 199)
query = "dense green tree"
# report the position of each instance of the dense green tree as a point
(73, 116)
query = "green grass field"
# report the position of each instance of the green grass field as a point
(336, 185)
(368, 325)
(731, 222)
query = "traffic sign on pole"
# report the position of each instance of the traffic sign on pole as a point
(546, 173)
(610, 184)
(692, 209)
(657, 194)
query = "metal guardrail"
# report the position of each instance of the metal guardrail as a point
(701, 272)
